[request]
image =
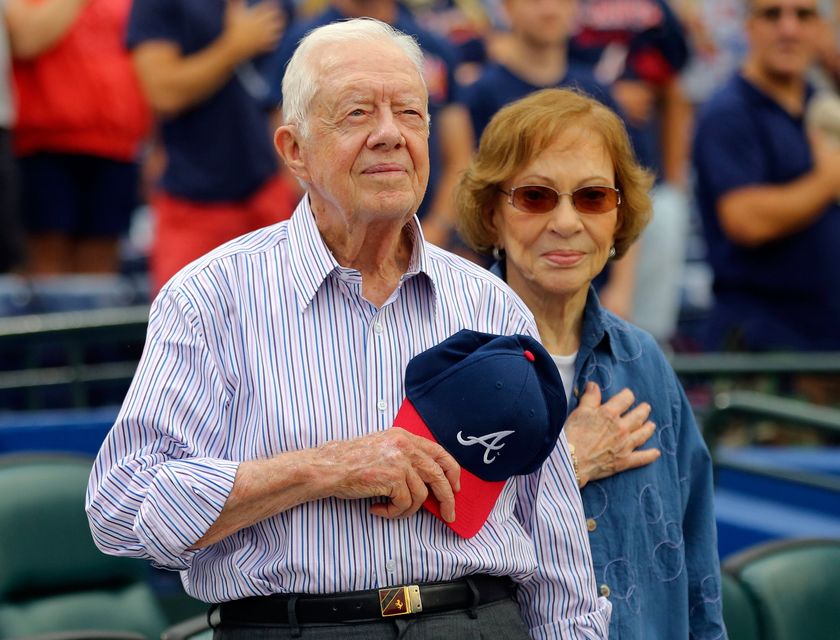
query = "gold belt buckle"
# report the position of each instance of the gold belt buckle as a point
(400, 601)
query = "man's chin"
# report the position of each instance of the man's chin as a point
(786, 73)
(393, 205)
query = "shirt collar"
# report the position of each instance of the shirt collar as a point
(759, 95)
(597, 324)
(312, 262)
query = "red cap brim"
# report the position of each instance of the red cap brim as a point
(475, 500)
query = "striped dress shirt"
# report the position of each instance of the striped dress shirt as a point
(266, 345)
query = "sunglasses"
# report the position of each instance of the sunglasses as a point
(536, 198)
(774, 14)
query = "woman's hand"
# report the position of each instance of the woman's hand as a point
(607, 436)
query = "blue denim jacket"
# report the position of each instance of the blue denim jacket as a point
(652, 530)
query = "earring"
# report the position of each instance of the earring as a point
(498, 254)
(612, 252)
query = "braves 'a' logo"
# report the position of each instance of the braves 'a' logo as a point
(490, 442)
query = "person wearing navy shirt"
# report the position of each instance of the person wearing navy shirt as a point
(768, 191)
(201, 64)
(536, 57)
(450, 142)
(638, 48)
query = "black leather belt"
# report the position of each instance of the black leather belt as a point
(433, 597)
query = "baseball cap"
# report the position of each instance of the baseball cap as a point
(495, 403)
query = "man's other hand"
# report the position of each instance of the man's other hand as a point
(251, 30)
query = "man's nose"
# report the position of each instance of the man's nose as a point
(386, 131)
(789, 23)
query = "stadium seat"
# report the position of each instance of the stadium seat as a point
(739, 613)
(54, 583)
(196, 628)
(792, 585)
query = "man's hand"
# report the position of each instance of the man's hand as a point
(251, 30)
(637, 100)
(607, 436)
(826, 153)
(394, 464)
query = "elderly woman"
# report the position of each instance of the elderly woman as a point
(553, 193)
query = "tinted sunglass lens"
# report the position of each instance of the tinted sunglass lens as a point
(595, 199)
(534, 199)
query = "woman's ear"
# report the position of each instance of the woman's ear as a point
(491, 218)
(288, 145)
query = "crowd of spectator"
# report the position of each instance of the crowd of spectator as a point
(110, 109)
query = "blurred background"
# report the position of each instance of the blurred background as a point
(96, 162)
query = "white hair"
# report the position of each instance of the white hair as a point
(300, 81)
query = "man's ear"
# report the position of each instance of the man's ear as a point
(287, 143)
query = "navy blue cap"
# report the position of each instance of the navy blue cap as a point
(495, 403)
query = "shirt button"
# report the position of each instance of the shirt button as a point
(381, 405)
(391, 565)
(591, 525)
(605, 590)
(377, 327)
(576, 391)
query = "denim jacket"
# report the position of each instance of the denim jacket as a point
(652, 530)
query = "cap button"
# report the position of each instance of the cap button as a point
(529, 355)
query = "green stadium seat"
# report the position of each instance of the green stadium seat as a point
(195, 628)
(739, 613)
(792, 585)
(53, 580)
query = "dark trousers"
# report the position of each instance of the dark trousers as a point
(12, 242)
(499, 620)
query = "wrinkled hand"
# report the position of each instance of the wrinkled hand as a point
(255, 29)
(607, 436)
(394, 464)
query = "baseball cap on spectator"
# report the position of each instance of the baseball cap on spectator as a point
(495, 403)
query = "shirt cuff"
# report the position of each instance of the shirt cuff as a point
(594, 625)
(183, 500)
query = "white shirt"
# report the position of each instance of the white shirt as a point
(566, 367)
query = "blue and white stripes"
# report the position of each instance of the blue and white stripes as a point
(265, 345)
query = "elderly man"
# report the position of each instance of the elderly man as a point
(450, 142)
(768, 191)
(253, 452)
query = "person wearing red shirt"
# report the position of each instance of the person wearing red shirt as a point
(81, 120)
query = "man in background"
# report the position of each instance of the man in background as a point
(638, 48)
(201, 67)
(768, 192)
